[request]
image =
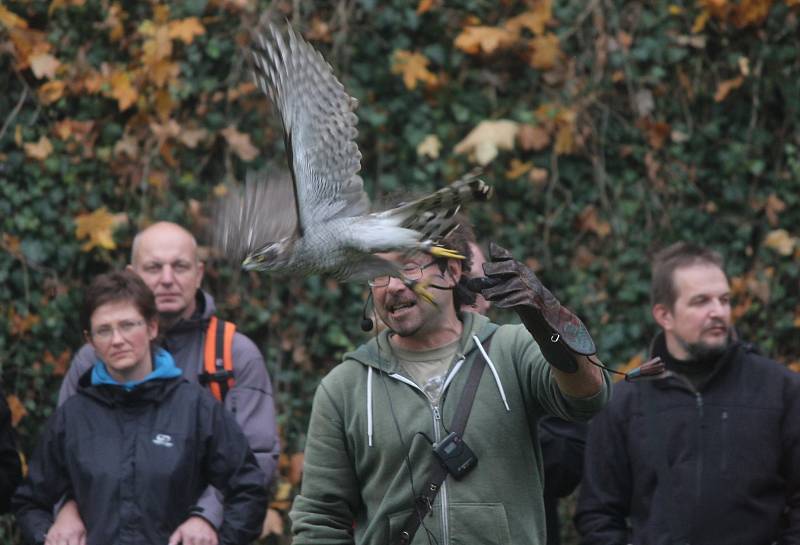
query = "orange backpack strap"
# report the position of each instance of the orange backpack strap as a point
(218, 358)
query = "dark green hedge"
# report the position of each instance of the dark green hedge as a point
(630, 125)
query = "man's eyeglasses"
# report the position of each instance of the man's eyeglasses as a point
(105, 333)
(410, 271)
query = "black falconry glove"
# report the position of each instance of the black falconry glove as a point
(509, 284)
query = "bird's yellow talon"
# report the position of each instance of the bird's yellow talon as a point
(439, 251)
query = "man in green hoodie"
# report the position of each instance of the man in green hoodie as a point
(376, 416)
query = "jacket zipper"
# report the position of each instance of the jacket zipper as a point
(437, 433)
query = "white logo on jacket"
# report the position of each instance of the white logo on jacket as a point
(163, 440)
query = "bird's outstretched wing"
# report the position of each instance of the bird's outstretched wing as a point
(319, 126)
(249, 217)
(434, 215)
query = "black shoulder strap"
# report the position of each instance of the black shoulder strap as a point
(424, 502)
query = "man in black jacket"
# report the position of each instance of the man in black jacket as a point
(710, 452)
(10, 467)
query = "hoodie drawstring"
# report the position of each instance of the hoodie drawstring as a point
(494, 371)
(369, 406)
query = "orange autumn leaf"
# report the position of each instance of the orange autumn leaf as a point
(60, 363)
(18, 410)
(113, 22)
(589, 220)
(98, 227)
(44, 65)
(484, 39)
(122, 90)
(725, 88)
(413, 67)
(240, 143)
(10, 19)
(424, 6)
(546, 51)
(51, 91)
(517, 169)
(40, 150)
(186, 30)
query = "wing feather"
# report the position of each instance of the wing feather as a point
(319, 126)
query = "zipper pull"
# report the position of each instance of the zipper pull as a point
(436, 415)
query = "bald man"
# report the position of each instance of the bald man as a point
(165, 256)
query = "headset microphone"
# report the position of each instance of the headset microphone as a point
(366, 323)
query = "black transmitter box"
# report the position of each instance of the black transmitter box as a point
(455, 455)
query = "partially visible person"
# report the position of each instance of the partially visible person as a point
(137, 445)
(378, 417)
(562, 442)
(165, 256)
(10, 466)
(710, 452)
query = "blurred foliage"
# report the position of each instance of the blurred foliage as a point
(609, 128)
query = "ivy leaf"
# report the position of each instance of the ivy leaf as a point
(40, 150)
(44, 65)
(98, 227)
(186, 30)
(487, 138)
(240, 143)
(414, 68)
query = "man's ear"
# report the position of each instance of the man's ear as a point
(129, 267)
(455, 269)
(201, 269)
(663, 316)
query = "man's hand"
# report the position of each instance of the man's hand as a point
(195, 531)
(560, 334)
(68, 528)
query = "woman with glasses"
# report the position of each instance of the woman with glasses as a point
(138, 444)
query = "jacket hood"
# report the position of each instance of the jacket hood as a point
(199, 320)
(163, 367)
(376, 353)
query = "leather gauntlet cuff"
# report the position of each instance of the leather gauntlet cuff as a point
(559, 345)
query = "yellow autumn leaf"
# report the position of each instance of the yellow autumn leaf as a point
(122, 90)
(487, 138)
(534, 20)
(546, 51)
(18, 410)
(10, 19)
(429, 147)
(484, 39)
(51, 91)
(565, 134)
(725, 87)
(517, 168)
(40, 150)
(780, 241)
(186, 30)
(98, 227)
(413, 67)
(700, 21)
(44, 65)
(675, 9)
(240, 143)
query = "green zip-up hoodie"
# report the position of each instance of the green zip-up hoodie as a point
(366, 457)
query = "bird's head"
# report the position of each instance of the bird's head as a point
(271, 257)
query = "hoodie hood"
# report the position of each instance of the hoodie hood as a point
(163, 368)
(378, 355)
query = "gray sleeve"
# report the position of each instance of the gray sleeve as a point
(82, 361)
(251, 402)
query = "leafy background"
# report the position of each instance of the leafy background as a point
(608, 128)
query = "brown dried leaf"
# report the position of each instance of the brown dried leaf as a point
(18, 410)
(98, 227)
(538, 176)
(10, 19)
(533, 137)
(546, 51)
(485, 39)
(44, 65)
(487, 138)
(413, 67)
(589, 220)
(51, 91)
(780, 241)
(429, 147)
(774, 207)
(725, 87)
(122, 90)
(240, 143)
(60, 364)
(186, 30)
(534, 20)
(40, 150)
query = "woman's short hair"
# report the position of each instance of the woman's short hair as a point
(118, 286)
